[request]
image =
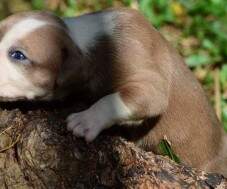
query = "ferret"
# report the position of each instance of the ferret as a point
(133, 74)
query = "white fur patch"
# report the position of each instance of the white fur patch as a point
(103, 114)
(13, 82)
(19, 31)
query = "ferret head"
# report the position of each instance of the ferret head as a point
(33, 48)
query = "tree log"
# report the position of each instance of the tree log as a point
(36, 151)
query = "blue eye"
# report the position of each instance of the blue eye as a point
(17, 55)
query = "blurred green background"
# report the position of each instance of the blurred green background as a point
(197, 28)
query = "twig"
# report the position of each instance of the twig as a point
(11, 145)
(11, 141)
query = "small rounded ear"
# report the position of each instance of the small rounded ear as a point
(62, 67)
(65, 67)
(70, 65)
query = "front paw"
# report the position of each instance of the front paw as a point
(86, 124)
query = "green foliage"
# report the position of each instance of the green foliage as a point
(38, 4)
(223, 80)
(198, 59)
(208, 24)
(166, 149)
(204, 19)
(157, 11)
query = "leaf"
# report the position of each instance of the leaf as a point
(72, 4)
(127, 2)
(146, 7)
(223, 76)
(165, 149)
(178, 9)
(38, 4)
(224, 116)
(69, 12)
(198, 60)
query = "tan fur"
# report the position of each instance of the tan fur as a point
(134, 75)
(154, 81)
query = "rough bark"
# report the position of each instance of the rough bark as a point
(38, 152)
